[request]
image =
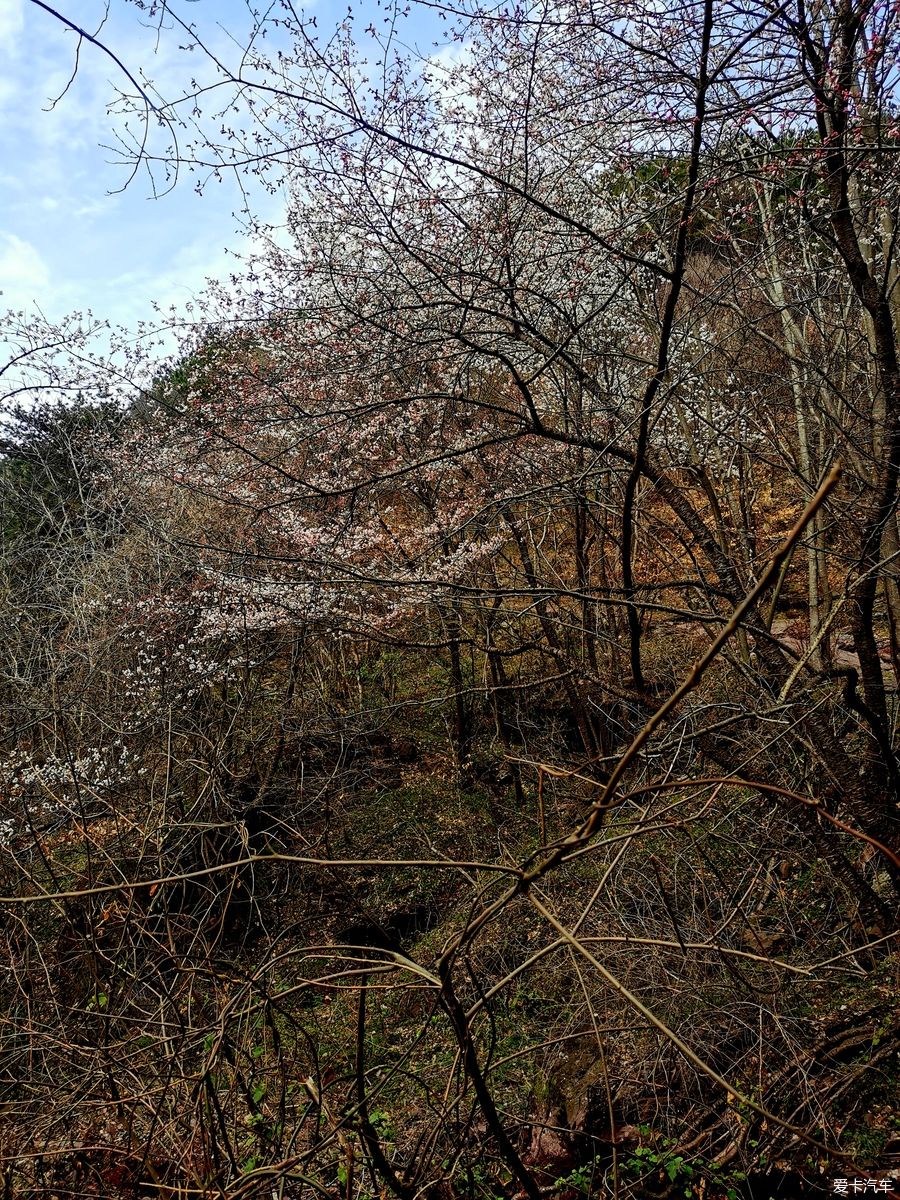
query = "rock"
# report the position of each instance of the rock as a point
(570, 1110)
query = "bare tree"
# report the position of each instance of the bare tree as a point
(506, 665)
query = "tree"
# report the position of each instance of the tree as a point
(568, 335)
(481, 231)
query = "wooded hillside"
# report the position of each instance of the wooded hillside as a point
(450, 706)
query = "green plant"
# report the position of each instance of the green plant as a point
(580, 1179)
(680, 1172)
(382, 1124)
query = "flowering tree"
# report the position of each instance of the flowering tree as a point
(567, 328)
(492, 266)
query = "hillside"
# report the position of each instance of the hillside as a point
(449, 741)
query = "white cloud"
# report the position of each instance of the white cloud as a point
(100, 207)
(76, 246)
(12, 22)
(23, 273)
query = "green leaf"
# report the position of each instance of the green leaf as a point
(674, 1167)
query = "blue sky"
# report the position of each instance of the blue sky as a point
(70, 239)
